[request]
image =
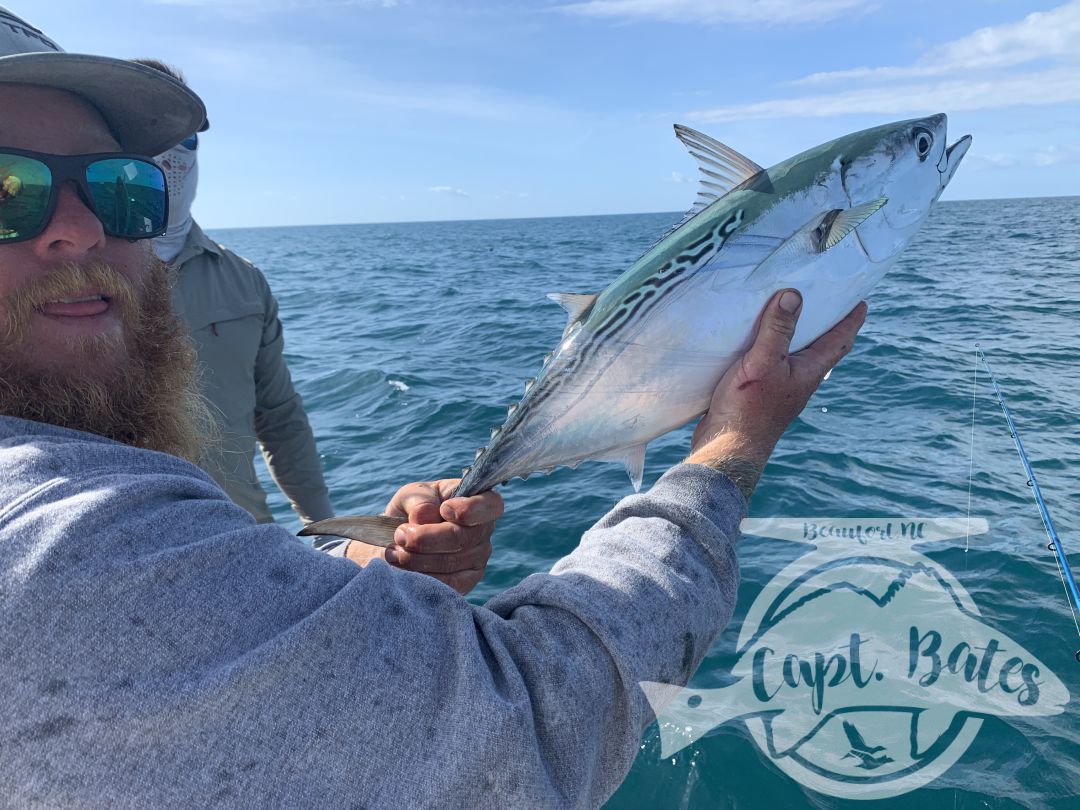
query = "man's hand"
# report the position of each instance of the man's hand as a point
(448, 538)
(763, 391)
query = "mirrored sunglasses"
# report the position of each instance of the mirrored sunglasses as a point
(126, 193)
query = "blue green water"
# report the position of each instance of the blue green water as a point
(408, 341)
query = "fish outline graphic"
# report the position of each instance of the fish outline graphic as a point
(812, 691)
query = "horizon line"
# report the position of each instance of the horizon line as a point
(562, 216)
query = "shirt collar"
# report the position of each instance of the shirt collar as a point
(197, 242)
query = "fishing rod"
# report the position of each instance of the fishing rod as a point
(1055, 544)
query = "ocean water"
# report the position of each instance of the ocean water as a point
(408, 341)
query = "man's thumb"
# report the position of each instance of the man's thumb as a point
(778, 322)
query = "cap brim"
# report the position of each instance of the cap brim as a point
(148, 111)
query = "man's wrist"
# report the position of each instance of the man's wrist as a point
(362, 553)
(737, 456)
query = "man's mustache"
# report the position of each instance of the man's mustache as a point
(66, 281)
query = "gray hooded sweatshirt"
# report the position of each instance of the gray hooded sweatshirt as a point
(161, 649)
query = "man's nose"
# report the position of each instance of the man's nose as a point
(73, 231)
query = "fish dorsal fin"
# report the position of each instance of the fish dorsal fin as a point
(822, 233)
(575, 304)
(633, 459)
(722, 168)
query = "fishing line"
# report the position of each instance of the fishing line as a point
(1064, 584)
(971, 448)
(1067, 579)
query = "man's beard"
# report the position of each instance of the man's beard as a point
(138, 387)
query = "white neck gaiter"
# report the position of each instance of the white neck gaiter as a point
(182, 175)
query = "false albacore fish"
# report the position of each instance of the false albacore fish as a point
(643, 356)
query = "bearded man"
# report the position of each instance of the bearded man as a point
(161, 649)
(88, 347)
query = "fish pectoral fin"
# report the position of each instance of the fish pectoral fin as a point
(847, 220)
(633, 459)
(822, 233)
(575, 304)
(375, 530)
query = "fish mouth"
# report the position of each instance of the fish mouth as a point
(951, 158)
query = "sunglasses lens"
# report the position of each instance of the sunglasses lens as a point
(129, 195)
(25, 185)
(191, 142)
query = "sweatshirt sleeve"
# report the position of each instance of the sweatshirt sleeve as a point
(164, 650)
(281, 424)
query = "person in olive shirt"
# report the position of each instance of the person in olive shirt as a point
(233, 317)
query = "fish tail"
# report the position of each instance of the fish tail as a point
(375, 530)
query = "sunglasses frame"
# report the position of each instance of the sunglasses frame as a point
(73, 168)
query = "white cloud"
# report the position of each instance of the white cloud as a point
(778, 12)
(1042, 35)
(1057, 155)
(307, 73)
(1049, 156)
(997, 160)
(969, 73)
(1058, 86)
(449, 190)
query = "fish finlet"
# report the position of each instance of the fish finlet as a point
(512, 410)
(529, 383)
(495, 431)
(479, 452)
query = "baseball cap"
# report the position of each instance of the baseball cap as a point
(148, 111)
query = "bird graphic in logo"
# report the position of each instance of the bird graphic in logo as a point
(861, 750)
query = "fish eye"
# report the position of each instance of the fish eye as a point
(924, 141)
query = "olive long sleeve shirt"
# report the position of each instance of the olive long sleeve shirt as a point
(234, 324)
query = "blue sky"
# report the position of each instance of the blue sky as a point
(328, 111)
